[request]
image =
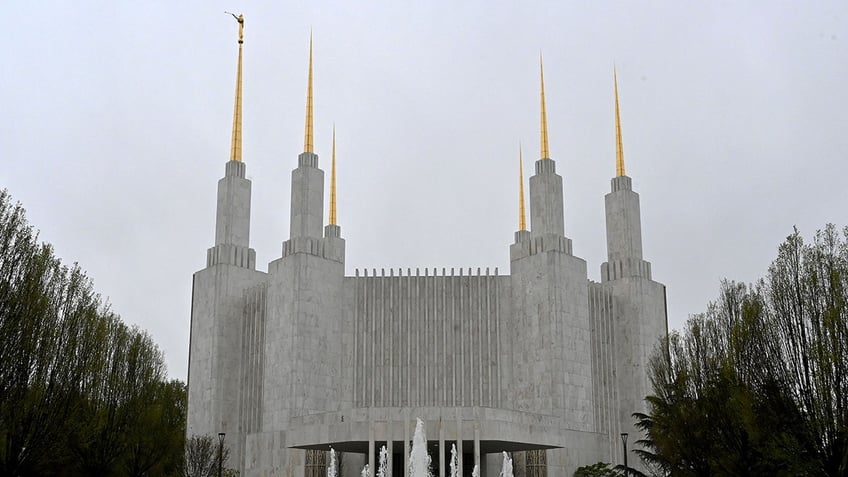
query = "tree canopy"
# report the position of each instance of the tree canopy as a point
(757, 384)
(81, 393)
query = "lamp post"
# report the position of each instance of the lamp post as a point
(221, 436)
(624, 442)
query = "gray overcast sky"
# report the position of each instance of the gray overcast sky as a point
(117, 115)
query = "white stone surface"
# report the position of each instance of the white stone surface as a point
(305, 357)
(215, 348)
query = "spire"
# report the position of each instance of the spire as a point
(619, 149)
(544, 138)
(308, 140)
(333, 182)
(235, 143)
(522, 221)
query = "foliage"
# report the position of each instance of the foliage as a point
(757, 384)
(600, 469)
(81, 393)
(202, 456)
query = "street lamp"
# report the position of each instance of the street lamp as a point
(623, 441)
(221, 436)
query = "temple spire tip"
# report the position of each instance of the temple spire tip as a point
(522, 221)
(546, 154)
(308, 135)
(235, 143)
(333, 220)
(619, 148)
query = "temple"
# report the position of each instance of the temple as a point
(537, 360)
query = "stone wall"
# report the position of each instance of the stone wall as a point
(425, 339)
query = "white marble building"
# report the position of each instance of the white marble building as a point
(536, 360)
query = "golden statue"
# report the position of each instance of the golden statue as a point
(235, 147)
(240, 20)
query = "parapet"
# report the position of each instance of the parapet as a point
(435, 273)
(628, 267)
(527, 245)
(330, 248)
(227, 254)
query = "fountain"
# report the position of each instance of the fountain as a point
(506, 470)
(331, 467)
(454, 462)
(384, 458)
(419, 460)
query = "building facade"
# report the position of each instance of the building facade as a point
(536, 360)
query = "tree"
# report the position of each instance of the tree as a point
(44, 310)
(155, 445)
(201, 456)
(81, 393)
(757, 384)
(600, 469)
(132, 373)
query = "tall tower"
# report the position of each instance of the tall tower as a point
(214, 350)
(550, 307)
(546, 201)
(307, 192)
(303, 312)
(639, 311)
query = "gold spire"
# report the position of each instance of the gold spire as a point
(333, 182)
(545, 152)
(235, 143)
(308, 140)
(619, 148)
(522, 222)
